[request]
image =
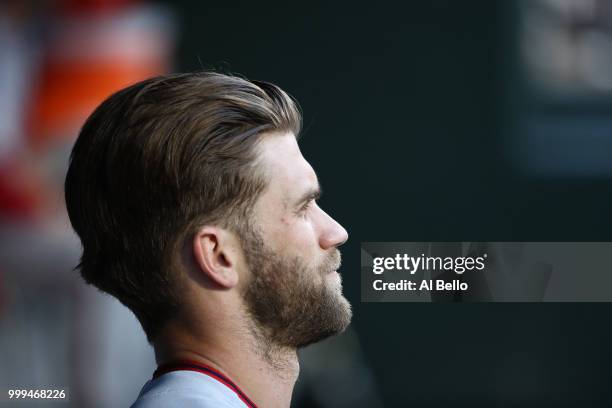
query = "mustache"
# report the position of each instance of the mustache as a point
(333, 261)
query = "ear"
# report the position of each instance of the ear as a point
(213, 252)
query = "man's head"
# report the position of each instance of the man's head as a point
(207, 162)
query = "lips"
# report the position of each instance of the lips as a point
(334, 267)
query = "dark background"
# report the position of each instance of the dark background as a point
(408, 107)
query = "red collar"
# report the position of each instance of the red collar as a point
(207, 370)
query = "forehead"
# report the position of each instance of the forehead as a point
(289, 174)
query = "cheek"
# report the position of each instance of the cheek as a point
(295, 233)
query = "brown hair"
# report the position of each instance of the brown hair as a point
(154, 162)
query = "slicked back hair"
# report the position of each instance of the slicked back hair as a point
(156, 161)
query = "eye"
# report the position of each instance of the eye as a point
(305, 207)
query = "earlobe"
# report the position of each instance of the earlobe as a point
(212, 255)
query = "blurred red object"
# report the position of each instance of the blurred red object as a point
(91, 6)
(22, 193)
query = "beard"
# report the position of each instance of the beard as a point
(293, 304)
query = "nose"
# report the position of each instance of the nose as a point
(332, 233)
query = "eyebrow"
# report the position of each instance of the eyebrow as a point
(311, 194)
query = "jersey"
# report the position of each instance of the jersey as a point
(191, 385)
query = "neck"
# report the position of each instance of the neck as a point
(266, 374)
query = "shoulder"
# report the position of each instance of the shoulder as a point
(186, 389)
